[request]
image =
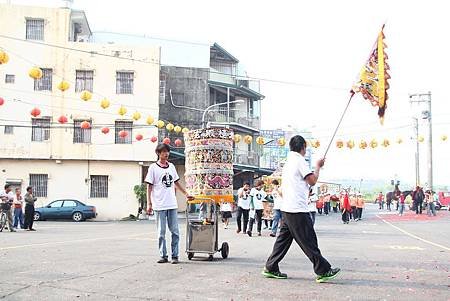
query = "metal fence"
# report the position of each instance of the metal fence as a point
(99, 186)
(39, 183)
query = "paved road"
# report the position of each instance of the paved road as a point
(383, 257)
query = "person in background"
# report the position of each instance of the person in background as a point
(277, 199)
(319, 204)
(359, 206)
(431, 209)
(401, 204)
(418, 197)
(409, 200)
(327, 205)
(7, 199)
(258, 195)
(30, 199)
(380, 200)
(353, 213)
(312, 204)
(18, 209)
(334, 201)
(225, 209)
(346, 209)
(243, 207)
(161, 179)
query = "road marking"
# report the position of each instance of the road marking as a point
(76, 241)
(371, 232)
(406, 248)
(415, 236)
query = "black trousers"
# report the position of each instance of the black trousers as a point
(258, 217)
(388, 205)
(326, 207)
(297, 226)
(345, 216)
(29, 216)
(359, 212)
(354, 214)
(268, 223)
(242, 212)
(419, 207)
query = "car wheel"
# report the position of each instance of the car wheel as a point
(36, 216)
(77, 216)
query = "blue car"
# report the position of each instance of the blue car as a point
(65, 209)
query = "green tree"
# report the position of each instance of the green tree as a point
(141, 194)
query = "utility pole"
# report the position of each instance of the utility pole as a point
(416, 138)
(426, 114)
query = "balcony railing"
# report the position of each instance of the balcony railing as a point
(220, 115)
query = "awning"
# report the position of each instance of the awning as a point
(238, 90)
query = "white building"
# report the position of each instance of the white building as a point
(63, 161)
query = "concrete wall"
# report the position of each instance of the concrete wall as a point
(67, 180)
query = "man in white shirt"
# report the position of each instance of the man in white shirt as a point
(243, 207)
(297, 224)
(258, 196)
(161, 179)
(7, 198)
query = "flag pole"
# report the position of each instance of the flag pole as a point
(352, 93)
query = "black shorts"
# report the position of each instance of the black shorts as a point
(226, 214)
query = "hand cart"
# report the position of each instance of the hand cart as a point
(202, 229)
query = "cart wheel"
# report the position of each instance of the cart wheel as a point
(225, 250)
(210, 258)
(190, 255)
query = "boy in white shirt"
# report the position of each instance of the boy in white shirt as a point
(243, 207)
(161, 179)
(258, 196)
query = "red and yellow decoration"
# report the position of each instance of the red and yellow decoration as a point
(260, 140)
(185, 130)
(178, 142)
(315, 143)
(35, 73)
(386, 143)
(166, 140)
(421, 139)
(248, 139)
(136, 116)
(373, 143)
(350, 144)
(339, 144)
(85, 125)
(122, 110)
(372, 81)
(63, 86)
(444, 137)
(86, 95)
(139, 137)
(237, 138)
(150, 120)
(105, 103)
(154, 139)
(2, 101)
(177, 129)
(399, 140)
(123, 134)
(105, 130)
(170, 127)
(4, 57)
(281, 141)
(160, 124)
(35, 112)
(62, 119)
(363, 144)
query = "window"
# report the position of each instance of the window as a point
(162, 89)
(178, 99)
(99, 186)
(56, 204)
(45, 82)
(9, 130)
(124, 82)
(84, 80)
(69, 204)
(40, 129)
(10, 78)
(81, 135)
(123, 126)
(35, 29)
(39, 183)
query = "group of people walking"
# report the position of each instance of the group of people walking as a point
(13, 204)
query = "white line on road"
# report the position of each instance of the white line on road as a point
(75, 241)
(415, 236)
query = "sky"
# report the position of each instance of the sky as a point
(321, 46)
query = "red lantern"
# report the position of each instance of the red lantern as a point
(139, 137)
(166, 140)
(62, 119)
(85, 125)
(123, 134)
(178, 142)
(105, 130)
(35, 112)
(154, 139)
(2, 101)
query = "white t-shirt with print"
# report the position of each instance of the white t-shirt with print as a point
(276, 199)
(258, 197)
(294, 187)
(225, 207)
(163, 181)
(8, 197)
(244, 201)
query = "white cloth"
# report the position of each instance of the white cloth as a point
(163, 181)
(312, 203)
(244, 201)
(294, 187)
(224, 207)
(258, 197)
(17, 201)
(276, 199)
